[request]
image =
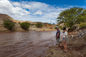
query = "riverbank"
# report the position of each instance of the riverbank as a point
(6, 20)
(17, 28)
(76, 47)
(42, 29)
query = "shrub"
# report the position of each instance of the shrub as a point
(72, 28)
(9, 24)
(82, 25)
(60, 27)
(39, 25)
(25, 25)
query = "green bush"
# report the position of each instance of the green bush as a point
(82, 25)
(72, 28)
(25, 25)
(39, 25)
(9, 24)
(60, 27)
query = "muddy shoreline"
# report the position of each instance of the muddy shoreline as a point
(76, 48)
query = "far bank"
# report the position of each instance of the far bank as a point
(9, 24)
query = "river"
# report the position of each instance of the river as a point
(25, 44)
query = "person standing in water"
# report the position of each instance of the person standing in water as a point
(57, 35)
(63, 38)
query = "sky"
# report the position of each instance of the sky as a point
(38, 10)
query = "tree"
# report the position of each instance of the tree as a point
(25, 25)
(71, 16)
(82, 25)
(83, 16)
(39, 25)
(9, 24)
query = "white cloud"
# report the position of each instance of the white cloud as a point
(26, 6)
(38, 12)
(16, 4)
(33, 11)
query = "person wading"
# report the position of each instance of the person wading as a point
(57, 36)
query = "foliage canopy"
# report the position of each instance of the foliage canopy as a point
(72, 16)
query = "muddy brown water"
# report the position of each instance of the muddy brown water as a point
(26, 44)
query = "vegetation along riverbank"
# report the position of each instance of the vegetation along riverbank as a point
(9, 24)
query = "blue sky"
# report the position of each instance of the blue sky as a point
(61, 3)
(38, 10)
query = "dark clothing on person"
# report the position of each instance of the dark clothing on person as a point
(58, 36)
(58, 32)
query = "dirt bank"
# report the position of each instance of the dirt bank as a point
(76, 48)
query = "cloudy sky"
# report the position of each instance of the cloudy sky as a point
(38, 10)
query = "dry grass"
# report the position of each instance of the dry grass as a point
(41, 29)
